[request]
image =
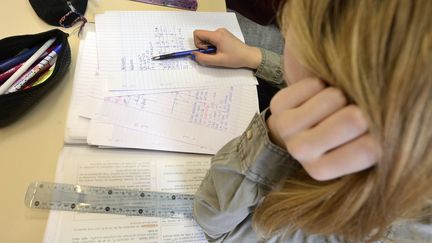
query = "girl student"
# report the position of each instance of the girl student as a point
(344, 152)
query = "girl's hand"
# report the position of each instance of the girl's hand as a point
(318, 128)
(231, 52)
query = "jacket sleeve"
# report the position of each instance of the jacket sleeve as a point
(241, 174)
(270, 68)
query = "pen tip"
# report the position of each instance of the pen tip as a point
(156, 58)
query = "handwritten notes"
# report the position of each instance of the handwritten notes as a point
(196, 114)
(219, 113)
(205, 107)
(126, 42)
(164, 40)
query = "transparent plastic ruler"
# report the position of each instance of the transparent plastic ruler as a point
(183, 4)
(91, 199)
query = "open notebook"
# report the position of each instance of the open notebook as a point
(146, 109)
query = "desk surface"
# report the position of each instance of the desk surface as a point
(30, 147)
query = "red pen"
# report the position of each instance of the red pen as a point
(4, 76)
(30, 83)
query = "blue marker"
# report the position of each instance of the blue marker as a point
(12, 62)
(210, 49)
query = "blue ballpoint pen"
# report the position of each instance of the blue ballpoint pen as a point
(210, 49)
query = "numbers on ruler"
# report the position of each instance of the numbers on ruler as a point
(161, 204)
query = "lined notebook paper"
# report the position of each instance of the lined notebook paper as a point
(88, 96)
(173, 121)
(76, 125)
(206, 118)
(127, 40)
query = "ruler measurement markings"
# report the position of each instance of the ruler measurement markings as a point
(90, 199)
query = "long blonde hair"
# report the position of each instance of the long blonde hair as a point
(379, 52)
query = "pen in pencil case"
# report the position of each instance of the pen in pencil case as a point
(40, 78)
(4, 76)
(20, 58)
(6, 85)
(40, 67)
(210, 49)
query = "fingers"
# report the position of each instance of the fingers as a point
(296, 94)
(311, 112)
(318, 128)
(208, 59)
(338, 129)
(231, 51)
(360, 154)
(202, 38)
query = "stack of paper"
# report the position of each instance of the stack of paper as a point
(122, 98)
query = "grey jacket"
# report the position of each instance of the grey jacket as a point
(246, 169)
(271, 68)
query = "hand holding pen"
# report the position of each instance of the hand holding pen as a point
(207, 50)
(231, 52)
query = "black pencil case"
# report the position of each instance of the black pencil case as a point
(14, 105)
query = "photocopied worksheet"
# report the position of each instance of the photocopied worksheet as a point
(182, 116)
(127, 41)
(131, 169)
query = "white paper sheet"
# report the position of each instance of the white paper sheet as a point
(76, 125)
(127, 40)
(109, 135)
(145, 170)
(208, 118)
(89, 73)
(92, 88)
(95, 89)
(87, 97)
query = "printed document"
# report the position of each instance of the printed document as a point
(131, 169)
